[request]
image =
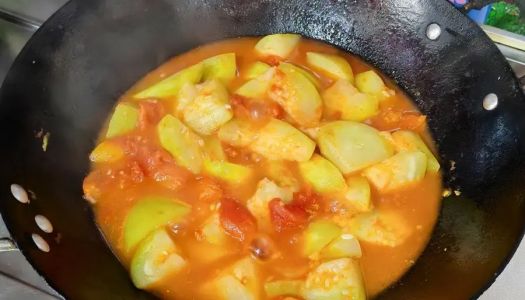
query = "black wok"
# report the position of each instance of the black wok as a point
(68, 77)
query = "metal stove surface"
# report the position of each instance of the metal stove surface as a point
(19, 19)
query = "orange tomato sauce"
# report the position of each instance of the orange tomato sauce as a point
(116, 187)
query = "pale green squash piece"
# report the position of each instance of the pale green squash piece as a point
(229, 172)
(212, 231)
(370, 82)
(266, 191)
(222, 67)
(257, 88)
(344, 100)
(156, 258)
(297, 95)
(149, 214)
(405, 140)
(210, 109)
(284, 288)
(237, 132)
(334, 65)
(344, 276)
(256, 69)
(352, 146)
(238, 282)
(318, 234)
(171, 85)
(322, 175)
(186, 95)
(306, 73)
(357, 195)
(383, 228)
(398, 171)
(213, 148)
(181, 142)
(124, 119)
(280, 45)
(281, 173)
(345, 245)
(278, 140)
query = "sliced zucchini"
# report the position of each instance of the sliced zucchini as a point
(279, 171)
(107, 152)
(266, 191)
(239, 282)
(284, 288)
(398, 171)
(334, 65)
(370, 82)
(156, 258)
(222, 67)
(318, 234)
(352, 146)
(345, 245)
(280, 45)
(212, 231)
(213, 148)
(279, 140)
(210, 109)
(297, 95)
(338, 279)
(256, 69)
(124, 119)
(171, 85)
(344, 100)
(181, 142)
(229, 172)
(322, 175)
(149, 214)
(357, 195)
(383, 228)
(405, 140)
(185, 96)
(256, 88)
(237, 132)
(306, 73)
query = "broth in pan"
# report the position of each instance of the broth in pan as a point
(265, 168)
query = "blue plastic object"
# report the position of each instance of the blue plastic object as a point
(477, 15)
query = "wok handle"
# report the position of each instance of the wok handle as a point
(20, 20)
(6, 244)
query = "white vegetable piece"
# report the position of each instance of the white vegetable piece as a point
(344, 100)
(238, 132)
(398, 171)
(279, 140)
(357, 195)
(346, 245)
(280, 45)
(266, 191)
(352, 146)
(297, 95)
(405, 140)
(210, 109)
(338, 279)
(156, 258)
(238, 282)
(384, 228)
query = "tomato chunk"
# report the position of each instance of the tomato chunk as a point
(150, 113)
(391, 119)
(237, 220)
(307, 200)
(286, 216)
